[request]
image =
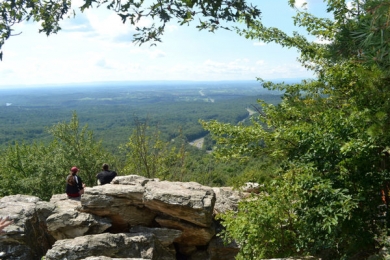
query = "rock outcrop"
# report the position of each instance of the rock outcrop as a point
(27, 237)
(123, 245)
(131, 218)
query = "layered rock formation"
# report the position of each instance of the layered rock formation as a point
(131, 218)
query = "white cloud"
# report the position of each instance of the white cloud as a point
(77, 3)
(259, 44)
(105, 25)
(171, 28)
(143, 51)
(109, 26)
(232, 67)
(260, 62)
(287, 70)
(237, 61)
(156, 54)
(79, 23)
(103, 64)
(301, 4)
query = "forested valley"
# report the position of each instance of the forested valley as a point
(45, 131)
(110, 111)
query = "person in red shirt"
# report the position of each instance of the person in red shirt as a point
(74, 184)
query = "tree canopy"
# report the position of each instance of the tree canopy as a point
(40, 169)
(329, 137)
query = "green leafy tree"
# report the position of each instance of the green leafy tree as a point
(31, 169)
(77, 146)
(41, 169)
(50, 13)
(328, 137)
(148, 155)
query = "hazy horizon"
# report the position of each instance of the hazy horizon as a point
(143, 82)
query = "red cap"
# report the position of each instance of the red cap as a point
(74, 169)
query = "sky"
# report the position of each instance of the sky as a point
(96, 46)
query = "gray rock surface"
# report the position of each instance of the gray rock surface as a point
(124, 245)
(131, 218)
(191, 234)
(227, 199)
(27, 237)
(166, 236)
(132, 180)
(189, 201)
(68, 222)
(122, 204)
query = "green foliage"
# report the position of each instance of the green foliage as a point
(289, 216)
(206, 170)
(31, 169)
(257, 170)
(41, 170)
(147, 155)
(328, 138)
(78, 147)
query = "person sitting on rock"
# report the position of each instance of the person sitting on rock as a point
(5, 222)
(74, 184)
(105, 176)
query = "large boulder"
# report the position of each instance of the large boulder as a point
(166, 236)
(227, 199)
(27, 237)
(188, 201)
(122, 204)
(192, 235)
(68, 222)
(133, 201)
(123, 245)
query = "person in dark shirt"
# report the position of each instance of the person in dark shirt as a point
(105, 176)
(74, 184)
